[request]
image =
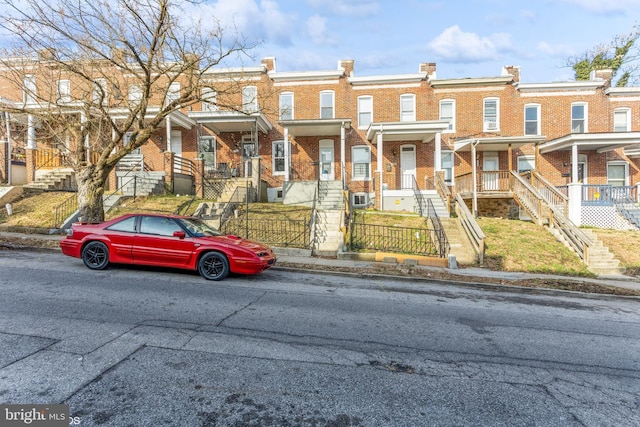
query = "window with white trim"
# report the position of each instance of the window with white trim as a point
(286, 106)
(209, 99)
(135, 95)
(277, 156)
(361, 162)
(446, 164)
(365, 111)
(579, 117)
(173, 93)
(448, 112)
(327, 99)
(491, 114)
(622, 120)
(359, 200)
(618, 174)
(408, 108)
(29, 89)
(532, 119)
(250, 99)
(526, 163)
(63, 91)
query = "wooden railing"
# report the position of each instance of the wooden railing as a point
(443, 190)
(549, 193)
(471, 227)
(48, 158)
(574, 237)
(528, 198)
(487, 181)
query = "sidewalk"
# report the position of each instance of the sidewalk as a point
(365, 263)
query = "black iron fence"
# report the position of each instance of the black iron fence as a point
(273, 232)
(419, 241)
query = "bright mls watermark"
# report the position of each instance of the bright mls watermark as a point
(34, 415)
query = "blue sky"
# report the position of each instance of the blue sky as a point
(465, 38)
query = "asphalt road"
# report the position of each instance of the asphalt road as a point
(137, 347)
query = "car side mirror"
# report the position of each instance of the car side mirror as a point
(179, 234)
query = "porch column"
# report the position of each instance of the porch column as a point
(342, 153)
(575, 190)
(474, 188)
(168, 125)
(83, 121)
(437, 155)
(510, 158)
(31, 149)
(8, 152)
(287, 160)
(31, 132)
(379, 166)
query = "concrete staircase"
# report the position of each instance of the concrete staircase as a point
(140, 183)
(601, 261)
(329, 195)
(458, 242)
(211, 212)
(53, 180)
(437, 202)
(329, 238)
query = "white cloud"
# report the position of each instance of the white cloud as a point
(346, 7)
(455, 45)
(604, 6)
(318, 32)
(555, 50)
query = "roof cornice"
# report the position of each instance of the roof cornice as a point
(388, 79)
(472, 81)
(296, 76)
(623, 91)
(580, 85)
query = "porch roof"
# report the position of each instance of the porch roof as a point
(496, 143)
(600, 142)
(177, 117)
(231, 121)
(423, 131)
(632, 152)
(315, 127)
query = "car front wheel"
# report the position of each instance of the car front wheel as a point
(213, 266)
(95, 255)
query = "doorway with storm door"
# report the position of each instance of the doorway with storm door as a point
(490, 174)
(326, 148)
(407, 166)
(249, 151)
(176, 148)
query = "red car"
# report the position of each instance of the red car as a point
(166, 241)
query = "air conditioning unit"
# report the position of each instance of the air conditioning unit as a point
(491, 125)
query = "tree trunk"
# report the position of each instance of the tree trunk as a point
(91, 181)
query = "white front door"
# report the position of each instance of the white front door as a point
(326, 160)
(490, 179)
(408, 165)
(176, 147)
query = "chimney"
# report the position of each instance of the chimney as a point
(604, 74)
(347, 66)
(269, 63)
(428, 68)
(512, 70)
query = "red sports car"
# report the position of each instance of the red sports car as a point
(167, 241)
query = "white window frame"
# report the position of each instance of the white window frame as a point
(529, 159)
(29, 89)
(326, 109)
(99, 84)
(250, 99)
(445, 167)
(626, 172)
(537, 119)
(367, 175)
(408, 115)
(173, 92)
(135, 95)
(622, 112)
(286, 106)
(585, 118)
(63, 91)
(490, 123)
(365, 108)
(209, 99)
(452, 118)
(275, 155)
(365, 196)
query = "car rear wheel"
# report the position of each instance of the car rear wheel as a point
(95, 255)
(213, 266)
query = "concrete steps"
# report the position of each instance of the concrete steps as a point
(140, 183)
(601, 261)
(53, 180)
(329, 195)
(329, 239)
(458, 242)
(438, 204)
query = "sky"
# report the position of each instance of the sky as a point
(465, 38)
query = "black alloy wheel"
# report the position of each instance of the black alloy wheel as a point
(95, 255)
(213, 266)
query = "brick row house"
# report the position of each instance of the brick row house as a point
(384, 138)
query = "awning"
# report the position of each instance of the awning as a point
(600, 142)
(317, 127)
(496, 143)
(231, 121)
(178, 118)
(424, 131)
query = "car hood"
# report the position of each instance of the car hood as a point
(236, 241)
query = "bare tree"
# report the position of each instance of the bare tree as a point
(620, 55)
(101, 69)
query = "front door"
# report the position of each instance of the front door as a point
(489, 178)
(176, 147)
(326, 160)
(408, 166)
(249, 151)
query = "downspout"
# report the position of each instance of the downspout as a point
(474, 174)
(379, 166)
(7, 117)
(342, 155)
(287, 159)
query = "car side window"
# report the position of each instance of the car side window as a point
(127, 225)
(158, 225)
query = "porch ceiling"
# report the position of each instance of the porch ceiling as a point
(231, 121)
(423, 131)
(600, 142)
(319, 127)
(633, 152)
(496, 143)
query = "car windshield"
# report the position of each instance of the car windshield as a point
(199, 228)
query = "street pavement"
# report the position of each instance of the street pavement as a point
(292, 258)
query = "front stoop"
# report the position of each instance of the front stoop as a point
(63, 179)
(601, 261)
(329, 239)
(458, 242)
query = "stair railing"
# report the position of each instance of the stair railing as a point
(527, 197)
(549, 193)
(471, 228)
(443, 190)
